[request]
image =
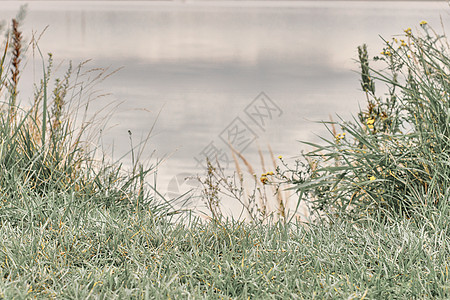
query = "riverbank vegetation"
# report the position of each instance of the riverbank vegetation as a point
(74, 225)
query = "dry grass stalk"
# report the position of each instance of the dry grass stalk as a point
(261, 207)
(282, 196)
(15, 63)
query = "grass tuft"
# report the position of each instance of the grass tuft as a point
(393, 158)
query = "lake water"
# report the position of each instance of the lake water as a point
(204, 65)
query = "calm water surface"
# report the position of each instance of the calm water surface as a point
(202, 65)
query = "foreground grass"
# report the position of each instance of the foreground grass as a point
(56, 247)
(73, 226)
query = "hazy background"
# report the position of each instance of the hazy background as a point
(201, 63)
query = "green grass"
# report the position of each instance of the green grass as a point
(80, 252)
(394, 157)
(75, 226)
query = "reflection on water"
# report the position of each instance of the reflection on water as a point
(202, 64)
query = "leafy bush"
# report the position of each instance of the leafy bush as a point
(394, 157)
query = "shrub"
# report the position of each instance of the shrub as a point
(394, 157)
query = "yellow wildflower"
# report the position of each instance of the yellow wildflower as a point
(370, 122)
(372, 178)
(264, 179)
(339, 137)
(423, 23)
(407, 31)
(268, 173)
(280, 157)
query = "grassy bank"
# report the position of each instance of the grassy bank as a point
(89, 252)
(75, 226)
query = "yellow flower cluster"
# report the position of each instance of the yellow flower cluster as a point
(387, 52)
(395, 41)
(340, 136)
(423, 23)
(370, 122)
(264, 178)
(407, 31)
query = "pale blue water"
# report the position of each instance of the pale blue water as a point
(202, 63)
